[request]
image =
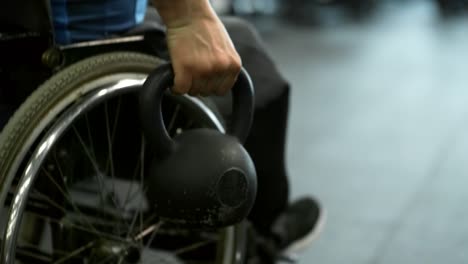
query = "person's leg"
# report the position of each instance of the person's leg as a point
(284, 227)
(267, 139)
(273, 216)
(266, 145)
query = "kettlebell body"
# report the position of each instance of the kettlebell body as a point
(208, 181)
(201, 178)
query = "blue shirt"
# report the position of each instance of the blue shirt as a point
(82, 20)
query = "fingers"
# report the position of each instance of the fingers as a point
(227, 85)
(218, 85)
(198, 87)
(230, 80)
(182, 81)
(213, 77)
(214, 85)
(232, 72)
(204, 58)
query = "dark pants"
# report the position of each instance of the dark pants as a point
(267, 140)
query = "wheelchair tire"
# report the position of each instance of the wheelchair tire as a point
(38, 115)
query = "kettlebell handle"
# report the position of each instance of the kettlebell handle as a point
(152, 121)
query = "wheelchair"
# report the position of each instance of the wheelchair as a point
(72, 156)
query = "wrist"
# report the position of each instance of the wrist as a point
(180, 13)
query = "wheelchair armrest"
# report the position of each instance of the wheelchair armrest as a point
(148, 38)
(151, 42)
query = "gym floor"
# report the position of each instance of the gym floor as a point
(379, 133)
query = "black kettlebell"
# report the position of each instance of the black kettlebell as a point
(201, 178)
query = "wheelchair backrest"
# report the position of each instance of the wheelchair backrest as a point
(25, 34)
(19, 16)
(25, 31)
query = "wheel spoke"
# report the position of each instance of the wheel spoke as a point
(174, 117)
(134, 194)
(59, 168)
(26, 247)
(110, 158)
(151, 239)
(66, 196)
(50, 201)
(151, 229)
(93, 154)
(98, 174)
(132, 225)
(129, 195)
(75, 252)
(87, 152)
(149, 221)
(90, 137)
(192, 247)
(81, 228)
(142, 179)
(139, 165)
(94, 164)
(64, 210)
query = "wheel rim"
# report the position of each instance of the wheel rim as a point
(109, 87)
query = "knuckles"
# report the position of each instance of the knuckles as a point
(236, 65)
(214, 66)
(219, 65)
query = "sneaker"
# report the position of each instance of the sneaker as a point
(299, 225)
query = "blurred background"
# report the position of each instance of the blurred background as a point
(379, 122)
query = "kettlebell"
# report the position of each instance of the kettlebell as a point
(201, 178)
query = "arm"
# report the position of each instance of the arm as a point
(204, 59)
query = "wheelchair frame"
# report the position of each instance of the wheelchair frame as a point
(27, 47)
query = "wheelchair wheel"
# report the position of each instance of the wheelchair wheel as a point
(72, 161)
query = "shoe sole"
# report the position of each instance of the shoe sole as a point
(314, 234)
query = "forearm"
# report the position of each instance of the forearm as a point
(204, 60)
(178, 13)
